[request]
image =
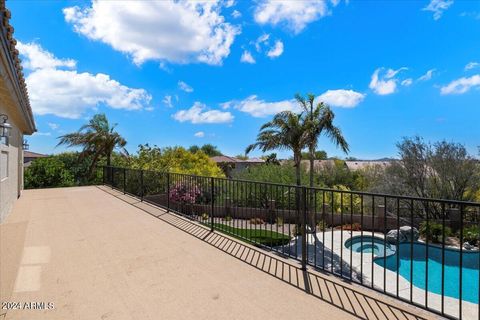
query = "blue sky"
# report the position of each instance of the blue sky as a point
(213, 72)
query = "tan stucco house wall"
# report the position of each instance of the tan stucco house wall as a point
(15, 104)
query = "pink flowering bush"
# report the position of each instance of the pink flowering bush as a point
(184, 193)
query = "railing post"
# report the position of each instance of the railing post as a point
(124, 180)
(304, 228)
(112, 176)
(168, 191)
(212, 191)
(141, 185)
(103, 174)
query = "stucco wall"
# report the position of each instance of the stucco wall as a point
(11, 170)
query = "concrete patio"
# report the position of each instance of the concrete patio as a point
(98, 254)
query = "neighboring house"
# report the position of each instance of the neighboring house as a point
(231, 165)
(318, 164)
(353, 165)
(29, 156)
(15, 112)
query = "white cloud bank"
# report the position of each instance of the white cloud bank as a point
(461, 85)
(438, 7)
(260, 108)
(295, 15)
(341, 98)
(68, 93)
(198, 113)
(166, 31)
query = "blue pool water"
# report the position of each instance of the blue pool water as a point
(368, 244)
(407, 258)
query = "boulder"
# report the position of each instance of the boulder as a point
(404, 234)
(409, 233)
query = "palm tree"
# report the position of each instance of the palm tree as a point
(318, 121)
(97, 138)
(285, 131)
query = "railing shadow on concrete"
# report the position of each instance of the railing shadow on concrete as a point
(361, 302)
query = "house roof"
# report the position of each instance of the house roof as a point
(30, 154)
(227, 159)
(14, 72)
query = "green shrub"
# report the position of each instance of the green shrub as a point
(471, 234)
(48, 173)
(322, 225)
(227, 218)
(433, 231)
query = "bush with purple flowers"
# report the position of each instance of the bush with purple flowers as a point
(184, 193)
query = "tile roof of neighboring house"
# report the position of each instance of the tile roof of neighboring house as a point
(30, 154)
(20, 87)
(227, 159)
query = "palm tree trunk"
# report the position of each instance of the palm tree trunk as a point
(311, 213)
(93, 165)
(298, 169)
(312, 160)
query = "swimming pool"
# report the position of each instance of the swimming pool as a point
(407, 259)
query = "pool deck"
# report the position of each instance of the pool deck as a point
(383, 279)
(97, 254)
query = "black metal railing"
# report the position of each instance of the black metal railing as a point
(422, 251)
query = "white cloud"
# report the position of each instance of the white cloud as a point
(167, 100)
(407, 82)
(384, 83)
(295, 15)
(261, 108)
(461, 85)
(46, 134)
(68, 93)
(150, 108)
(427, 76)
(165, 31)
(247, 57)
(236, 14)
(230, 3)
(276, 50)
(184, 87)
(472, 65)
(38, 58)
(53, 126)
(341, 98)
(391, 73)
(438, 7)
(263, 39)
(199, 134)
(198, 114)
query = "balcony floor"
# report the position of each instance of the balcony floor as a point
(97, 254)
